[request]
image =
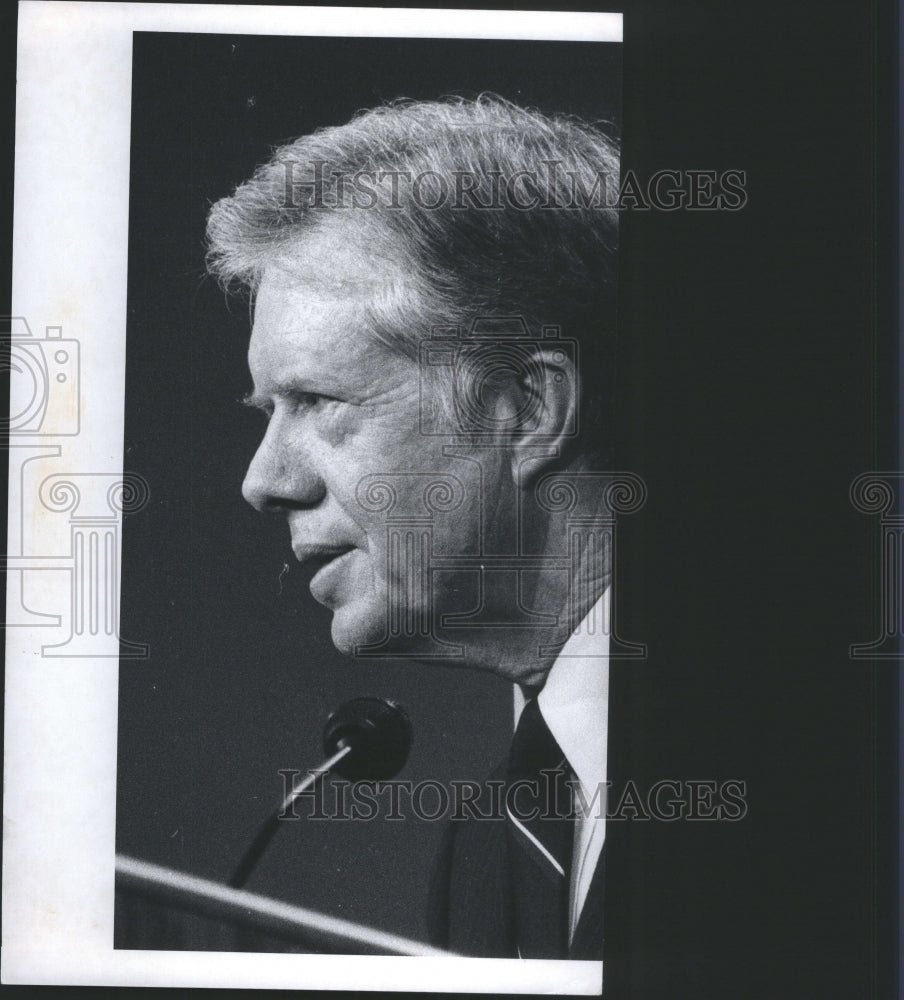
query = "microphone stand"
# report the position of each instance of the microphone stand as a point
(378, 732)
(262, 841)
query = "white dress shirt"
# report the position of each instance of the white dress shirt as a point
(574, 703)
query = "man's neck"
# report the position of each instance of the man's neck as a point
(525, 654)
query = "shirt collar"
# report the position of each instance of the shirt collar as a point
(575, 698)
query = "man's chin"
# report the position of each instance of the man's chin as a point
(355, 626)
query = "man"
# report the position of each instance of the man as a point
(432, 346)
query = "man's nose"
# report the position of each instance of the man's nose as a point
(282, 475)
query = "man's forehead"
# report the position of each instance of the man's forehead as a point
(316, 314)
(312, 315)
(317, 324)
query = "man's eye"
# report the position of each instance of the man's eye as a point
(295, 402)
(311, 400)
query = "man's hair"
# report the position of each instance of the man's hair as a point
(491, 209)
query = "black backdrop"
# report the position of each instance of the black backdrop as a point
(758, 373)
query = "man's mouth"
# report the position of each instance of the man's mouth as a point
(321, 560)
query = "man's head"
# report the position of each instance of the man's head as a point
(428, 274)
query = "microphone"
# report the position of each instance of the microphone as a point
(366, 739)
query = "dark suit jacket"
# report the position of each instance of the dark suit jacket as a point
(470, 910)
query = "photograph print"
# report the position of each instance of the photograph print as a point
(370, 379)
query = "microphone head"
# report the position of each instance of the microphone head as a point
(379, 734)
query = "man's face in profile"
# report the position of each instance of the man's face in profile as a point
(343, 406)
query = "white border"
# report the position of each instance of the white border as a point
(70, 237)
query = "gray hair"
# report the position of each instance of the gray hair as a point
(506, 212)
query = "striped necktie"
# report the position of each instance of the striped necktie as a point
(539, 830)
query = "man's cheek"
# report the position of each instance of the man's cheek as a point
(375, 564)
(459, 532)
(340, 426)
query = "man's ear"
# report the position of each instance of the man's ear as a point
(548, 411)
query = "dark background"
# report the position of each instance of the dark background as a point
(760, 375)
(242, 673)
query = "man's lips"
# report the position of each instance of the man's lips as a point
(318, 557)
